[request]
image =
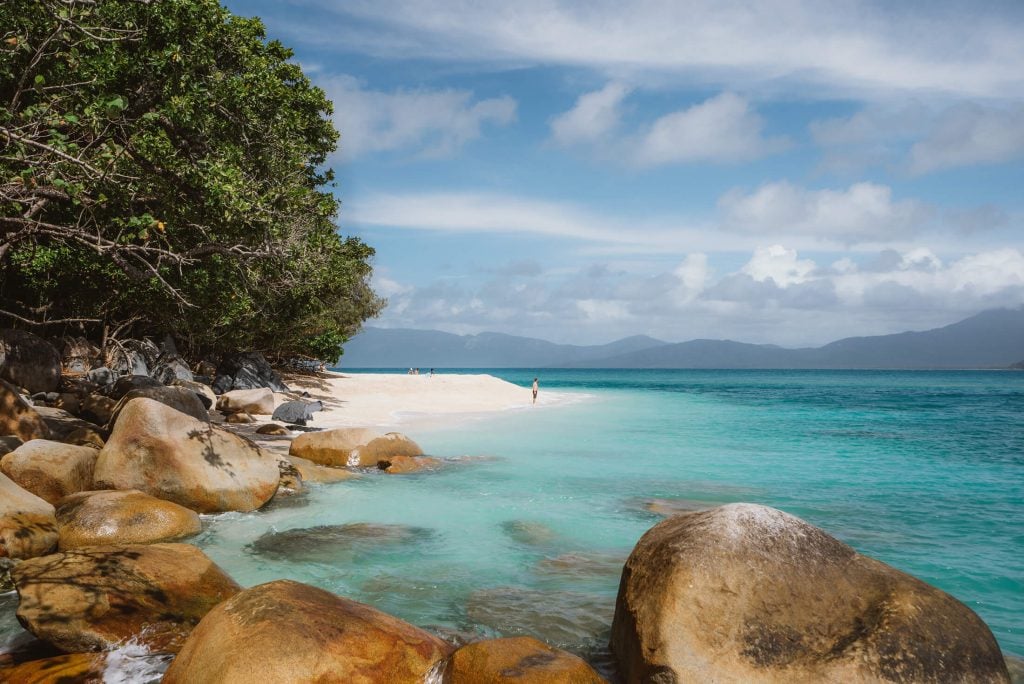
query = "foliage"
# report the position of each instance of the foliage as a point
(162, 170)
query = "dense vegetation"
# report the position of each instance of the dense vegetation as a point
(162, 170)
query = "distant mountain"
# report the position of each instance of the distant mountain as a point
(992, 339)
(405, 348)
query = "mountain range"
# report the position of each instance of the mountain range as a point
(991, 339)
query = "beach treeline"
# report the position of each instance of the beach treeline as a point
(163, 170)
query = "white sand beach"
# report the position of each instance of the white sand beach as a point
(398, 401)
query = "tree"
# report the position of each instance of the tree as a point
(162, 170)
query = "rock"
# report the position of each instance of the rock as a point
(50, 470)
(291, 632)
(352, 447)
(173, 456)
(97, 408)
(202, 391)
(133, 357)
(239, 418)
(178, 398)
(70, 402)
(749, 593)
(336, 543)
(6, 583)
(297, 412)
(61, 423)
(9, 444)
(529, 532)
(255, 401)
(79, 355)
(29, 361)
(85, 437)
(290, 478)
(582, 565)
(123, 386)
(27, 525)
(273, 429)
(170, 369)
(516, 659)
(397, 465)
(667, 507)
(246, 372)
(565, 619)
(1015, 665)
(96, 598)
(72, 668)
(18, 417)
(318, 474)
(103, 376)
(110, 517)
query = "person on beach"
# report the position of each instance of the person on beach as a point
(535, 390)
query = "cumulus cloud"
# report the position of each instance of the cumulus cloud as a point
(864, 211)
(419, 121)
(593, 117)
(780, 265)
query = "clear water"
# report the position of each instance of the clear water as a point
(526, 530)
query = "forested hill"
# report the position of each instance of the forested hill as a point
(992, 339)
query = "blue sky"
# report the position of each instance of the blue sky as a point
(582, 171)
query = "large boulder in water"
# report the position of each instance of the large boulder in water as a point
(27, 525)
(516, 659)
(352, 447)
(258, 401)
(50, 470)
(173, 456)
(18, 417)
(97, 598)
(297, 412)
(746, 593)
(246, 371)
(285, 631)
(29, 361)
(111, 517)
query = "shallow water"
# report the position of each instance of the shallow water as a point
(526, 530)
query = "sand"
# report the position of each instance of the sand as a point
(400, 401)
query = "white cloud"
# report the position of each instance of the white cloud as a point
(594, 116)
(853, 47)
(969, 134)
(780, 265)
(864, 211)
(425, 122)
(721, 129)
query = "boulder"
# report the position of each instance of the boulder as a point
(202, 391)
(79, 355)
(352, 447)
(318, 474)
(9, 444)
(178, 398)
(102, 376)
(258, 401)
(72, 668)
(398, 465)
(50, 470)
(70, 402)
(290, 478)
(285, 631)
(61, 423)
(110, 517)
(18, 417)
(173, 456)
(273, 429)
(746, 593)
(96, 598)
(27, 525)
(96, 408)
(239, 418)
(170, 369)
(516, 659)
(85, 437)
(245, 372)
(123, 386)
(29, 361)
(297, 412)
(133, 357)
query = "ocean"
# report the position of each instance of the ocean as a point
(524, 531)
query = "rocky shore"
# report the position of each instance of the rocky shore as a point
(106, 464)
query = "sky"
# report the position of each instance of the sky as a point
(787, 172)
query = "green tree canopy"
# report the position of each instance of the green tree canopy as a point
(162, 170)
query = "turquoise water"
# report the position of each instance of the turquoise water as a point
(526, 529)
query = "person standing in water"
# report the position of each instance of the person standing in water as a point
(535, 390)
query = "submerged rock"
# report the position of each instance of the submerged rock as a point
(516, 659)
(27, 524)
(122, 517)
(331, 543)
(95, 599)
(352, 447)
(564, 619)
(529, 532)
(176, 457)
(29, 361)
(50, 470)
(285, 631)
(584, 564)
(749, 593)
